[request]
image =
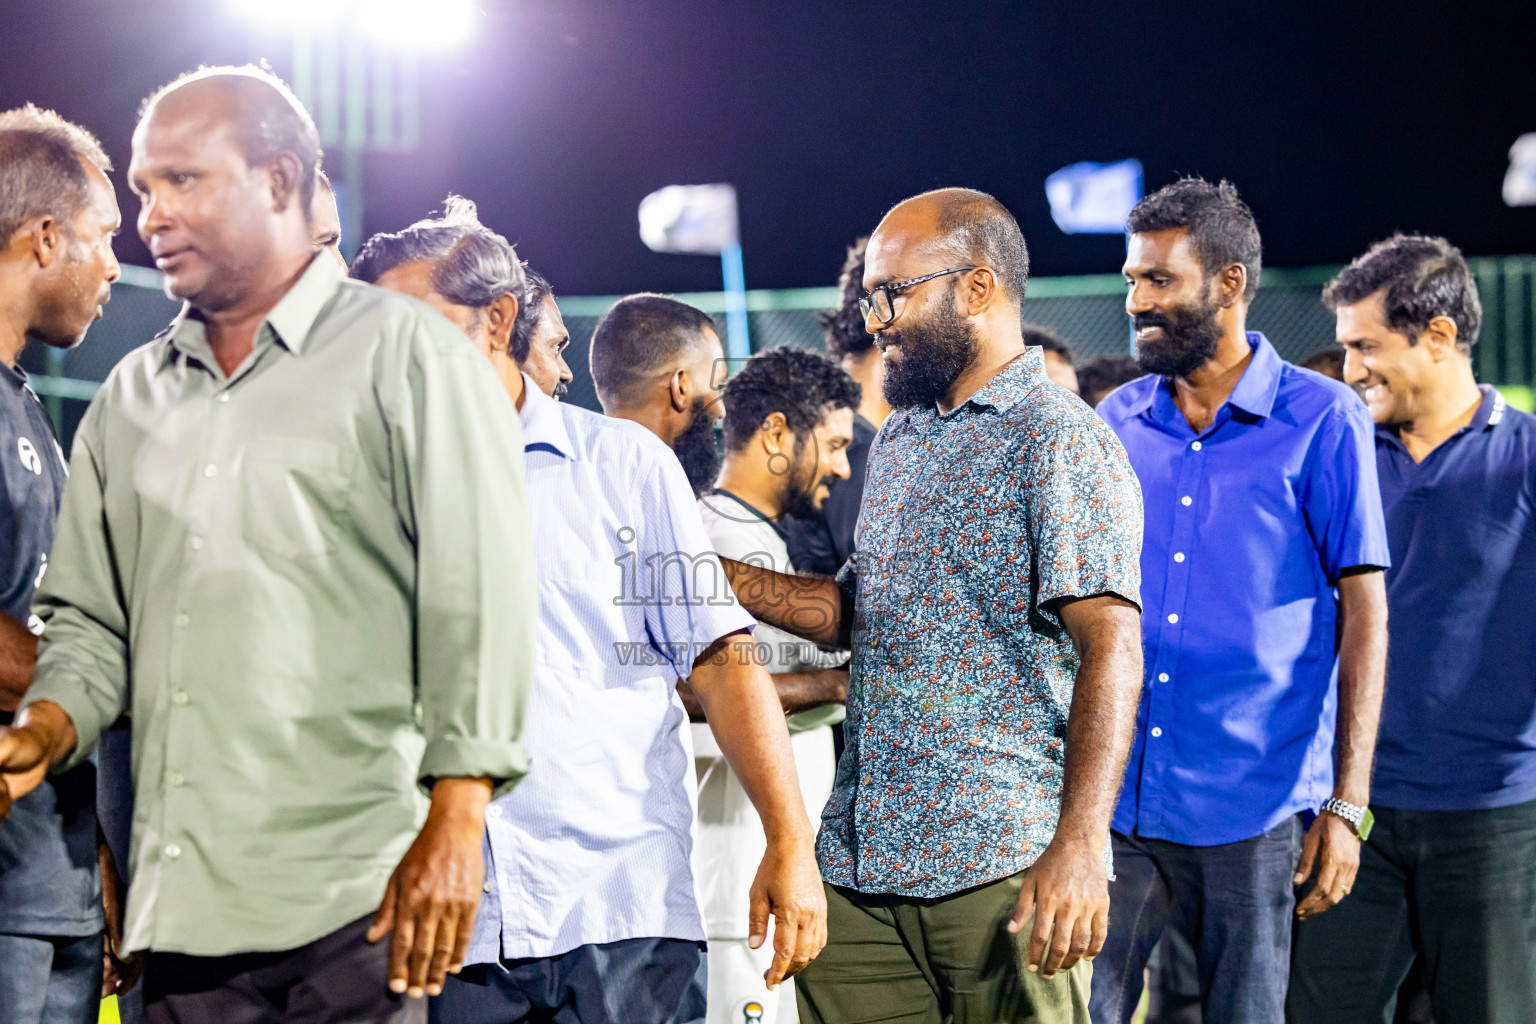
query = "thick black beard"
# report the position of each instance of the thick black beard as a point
(697, 449)
(1190, 336)
(933, 356)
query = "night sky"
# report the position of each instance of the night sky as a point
(1339, 127)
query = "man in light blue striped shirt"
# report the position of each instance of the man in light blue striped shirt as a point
(589, 902)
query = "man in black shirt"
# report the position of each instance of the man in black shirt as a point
(58, 215)
(820, 542)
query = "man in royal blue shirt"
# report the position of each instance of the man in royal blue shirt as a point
(1449, 873)
(1264, 615)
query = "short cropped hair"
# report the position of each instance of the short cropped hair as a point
(40, 172)
(978, 230)
(637, 338)
(268, 119)
(1221, 227)
(1044, 337)
(530, 311)
(843, 327)
(1104, 374)
(1423, 276)
(803, 385)
(471, 264)
(1329, 362)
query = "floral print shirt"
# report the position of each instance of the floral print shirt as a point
(973, 523)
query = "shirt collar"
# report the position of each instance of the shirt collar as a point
(1255, 391)
(1010, 384)
(543, 424)
(1490, 413)
(14, 375)
(291, 319)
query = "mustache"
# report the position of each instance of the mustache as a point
(1143, 320)
(560, 390)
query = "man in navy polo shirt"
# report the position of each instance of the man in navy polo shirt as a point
(1449, 873)
(1264, 617)
(58, 215)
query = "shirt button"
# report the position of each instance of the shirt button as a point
(179, 698)
(1173, 616)
(177, 779)
(927, 446)
(489, 886)
(197, 543)
(210, 470)
(1156, 732)
(1186, 500)
(1195, 446)
(172, 851)
(182, 620)
(223, 396)
(1178, 556)
(1162, 677)
(493, 811)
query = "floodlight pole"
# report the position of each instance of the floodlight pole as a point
(738, 344)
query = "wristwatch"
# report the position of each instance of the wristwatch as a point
(1360, 818)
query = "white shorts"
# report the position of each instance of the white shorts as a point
(737, 994)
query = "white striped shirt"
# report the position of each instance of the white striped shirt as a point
(593, 846)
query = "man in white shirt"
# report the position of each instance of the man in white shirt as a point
(589, 912)
(788, 424)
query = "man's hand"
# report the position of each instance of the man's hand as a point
(1334, 848)
(1067, 892)
(788, 886)
(23, 763)
(432, 896)
(119, 975)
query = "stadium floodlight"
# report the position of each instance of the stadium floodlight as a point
(397, 24)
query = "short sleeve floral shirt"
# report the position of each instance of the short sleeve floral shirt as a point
(972, 523)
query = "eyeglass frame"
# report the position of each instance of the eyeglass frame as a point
(895, 288)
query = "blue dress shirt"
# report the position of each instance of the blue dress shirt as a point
(1249, 525)
(1458, 725)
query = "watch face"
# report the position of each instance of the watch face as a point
(1366, 821)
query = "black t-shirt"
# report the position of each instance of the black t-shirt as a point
(48, 878)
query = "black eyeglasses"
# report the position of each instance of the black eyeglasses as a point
(882, 301)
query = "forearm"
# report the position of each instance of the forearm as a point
(53, 728)
(1103, 715)
(18, 656)
(461, 800)
(801, 691)
(812, 607)
(1362, 682)
(747, 720)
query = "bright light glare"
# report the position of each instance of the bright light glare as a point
(413, 24)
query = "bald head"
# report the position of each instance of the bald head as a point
(265, 118)
(961, 227)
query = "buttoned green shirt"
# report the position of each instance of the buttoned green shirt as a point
(312, 583)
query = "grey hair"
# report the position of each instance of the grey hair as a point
(472, 265)
(40, 172)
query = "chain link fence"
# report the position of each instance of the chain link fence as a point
(1087, 311)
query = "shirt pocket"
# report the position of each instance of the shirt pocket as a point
(294, 494)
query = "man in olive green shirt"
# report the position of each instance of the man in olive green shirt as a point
(293, 549)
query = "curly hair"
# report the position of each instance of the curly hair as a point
(1221, 227)
(1424, 276)
(801, 384)
(843, 327)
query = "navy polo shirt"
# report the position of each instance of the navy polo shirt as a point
(48, 877)
(1458, 724)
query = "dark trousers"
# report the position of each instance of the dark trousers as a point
(341, 977)
(1458, 888)
(49, 980)
(633, 981)
(1235, 902)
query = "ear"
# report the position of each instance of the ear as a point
(1440, 338)
(500, 315)
(42, 239)
(774, 433)
(1231, 283)
(678, 390)
(981, 289)
(284, 174)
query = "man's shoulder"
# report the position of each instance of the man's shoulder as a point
(392, 319)
(1126, 400)
(1308, 393)
(610, 437)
